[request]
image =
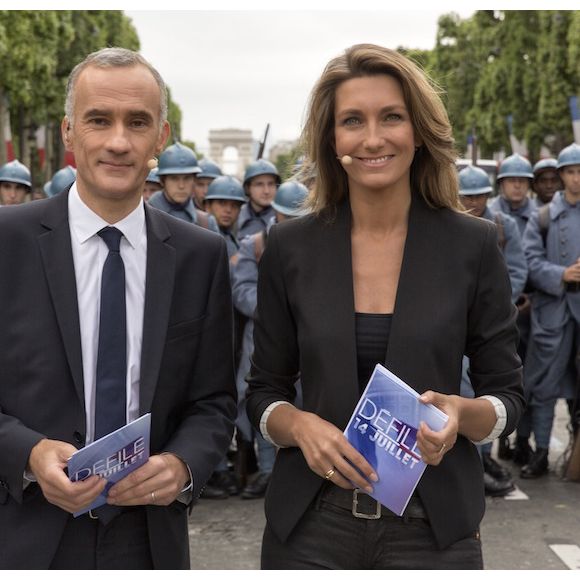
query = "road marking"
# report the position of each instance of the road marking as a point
(517, 493)
(569, 554)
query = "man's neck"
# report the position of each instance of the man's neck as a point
(111, 210)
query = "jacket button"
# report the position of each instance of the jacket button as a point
(78, 437)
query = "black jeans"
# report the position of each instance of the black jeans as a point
(330, 537)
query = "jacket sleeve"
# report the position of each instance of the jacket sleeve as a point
(544, 275)
(495, 368)
(275, 362)
(244, 278)
(515, 258)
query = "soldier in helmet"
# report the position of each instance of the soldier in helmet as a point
(62, 179)
(176, 170)
(224, 199)
(260, 182)
(552, 247)
(546, 180)
(15, 183)
(286, 205)
(515, 179)
(209, 172)
(152, 184)
(474, 190)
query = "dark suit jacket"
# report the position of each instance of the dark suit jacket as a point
(187, 377)
(453, 298)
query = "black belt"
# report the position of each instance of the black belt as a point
(572, 286)
(361, 505)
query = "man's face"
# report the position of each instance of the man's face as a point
(475, 203)
(515, 190)
(225, 211)
(546, 184)
(178, 188)
(571, 178)
(12, 193)
(149, 189)
(116, 130)
(200, 186)
(261, 191)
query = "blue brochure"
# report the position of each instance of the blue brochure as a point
(113, 457)
(383, 428)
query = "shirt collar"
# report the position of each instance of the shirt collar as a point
(85, 223)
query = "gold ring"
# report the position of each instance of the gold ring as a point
(442, 448)
(329, 473)
(152, 497)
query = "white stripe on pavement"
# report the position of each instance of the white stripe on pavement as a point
(517, 493)
(569, 554)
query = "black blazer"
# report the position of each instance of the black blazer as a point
(453, 298)
(187, 376)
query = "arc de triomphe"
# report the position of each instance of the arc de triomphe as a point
(241, 139)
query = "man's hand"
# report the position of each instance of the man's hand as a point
(572, 273)
(157, 482)
(47, 462)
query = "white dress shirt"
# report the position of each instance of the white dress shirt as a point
(89, 255)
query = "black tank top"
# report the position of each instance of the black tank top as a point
(372, 338)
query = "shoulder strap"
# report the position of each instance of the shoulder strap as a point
(260, 244)
(202, 219)
(501, 241)
(544, 221)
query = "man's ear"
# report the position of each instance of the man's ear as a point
(66, 133)
(163, 136)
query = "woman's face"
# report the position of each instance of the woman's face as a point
(372, 125)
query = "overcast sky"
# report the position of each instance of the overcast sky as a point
(242, 70)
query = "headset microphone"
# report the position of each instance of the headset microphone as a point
(345, 159)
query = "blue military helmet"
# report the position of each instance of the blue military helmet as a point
(153, 177)
(209, 169)
(60, 181)
(178, 159)
(16, 172)
(569, 156)
(289, 198)
(261, 167)
(473, 181)
(225, 187)
(543, 164)
(515, 166)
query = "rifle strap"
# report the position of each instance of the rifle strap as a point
(544, 221)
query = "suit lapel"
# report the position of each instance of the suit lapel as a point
(158, 292)
(339, 278)
(414, 273)
(57, 260)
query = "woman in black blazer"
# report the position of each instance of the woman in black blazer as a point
(385, 269)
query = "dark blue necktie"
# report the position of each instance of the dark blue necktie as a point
(111, 389)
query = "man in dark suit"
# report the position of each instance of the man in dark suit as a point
(179, 359)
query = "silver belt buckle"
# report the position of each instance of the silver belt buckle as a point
(360, 515)
(92, 516)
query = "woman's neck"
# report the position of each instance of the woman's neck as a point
(379, 212)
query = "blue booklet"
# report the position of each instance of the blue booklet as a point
(383, 428)
(113, 457)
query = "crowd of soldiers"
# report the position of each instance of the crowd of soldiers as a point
(537, 217)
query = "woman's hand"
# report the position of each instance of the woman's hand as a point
(434, 444)
(330, 455)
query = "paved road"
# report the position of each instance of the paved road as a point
(516, 533)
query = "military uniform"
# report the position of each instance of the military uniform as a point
(251, 222)
(549, 372)
(520, 214)
(184, 211)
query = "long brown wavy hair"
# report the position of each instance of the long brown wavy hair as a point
(433, 172)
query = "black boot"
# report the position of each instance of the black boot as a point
(504, 451)
(226, 480)
(495, 487)
(212, 489)
(494, 469)
(522, 451)
(257, 487)
(537, 466)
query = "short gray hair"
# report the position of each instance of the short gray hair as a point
(114, 57)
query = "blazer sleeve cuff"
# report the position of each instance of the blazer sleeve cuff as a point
(264, 420)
